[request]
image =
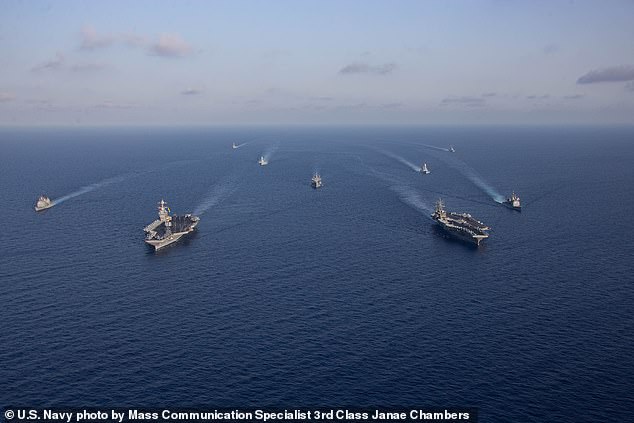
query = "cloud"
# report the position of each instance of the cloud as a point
(391, 105)
(621, 73)
(321, 98)
(167, 45)
(550, 49)
(170, 45)
(191, 91)
(88, 67)
(467, 101)
(629, 86)
(357, 68)
(107, 104)
(5, 97)
(53, 64)
(90, 40)
(352, 106)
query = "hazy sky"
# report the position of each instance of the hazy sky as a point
(227, 62)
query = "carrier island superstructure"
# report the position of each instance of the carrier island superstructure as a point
(460, 225)
(168, 229)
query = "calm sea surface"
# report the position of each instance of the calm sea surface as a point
(346, 296)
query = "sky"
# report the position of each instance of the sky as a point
(316, 62)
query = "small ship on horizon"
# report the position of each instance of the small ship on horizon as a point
(43, 203)
(234, 146)
(460, 225)
(168, 229)
(451, 149)
(513, 202)
(424, 169)
(263, 161)
(315, 182)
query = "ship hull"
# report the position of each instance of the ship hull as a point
(462, 236)
(38, 209)
(162, 243)
(512, 207)
(158, 244)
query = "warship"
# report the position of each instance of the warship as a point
(315, 182)
(424, 169)
(234, 146)
(43, 203)
(460, 225)
(263, 161)
(513, 202)
(168, 229)
(451, 149)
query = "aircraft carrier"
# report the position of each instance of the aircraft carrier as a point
(168, 229)
(460, 225)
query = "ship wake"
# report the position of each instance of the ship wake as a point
(216, 194)
(88, 188)
(402, 160)
(476, 179)
(434, 147)
(268, 153)
(412, 198)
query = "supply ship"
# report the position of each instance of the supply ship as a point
(513, 202)
(315, 182)
(168, 229)
(460, 225)
(43, 203)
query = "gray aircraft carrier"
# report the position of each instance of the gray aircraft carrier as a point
(168, 229)
(460, 225)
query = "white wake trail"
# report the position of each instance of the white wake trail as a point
(87, 188)
(268, 153)
(479, 181)
(402, 160)
(435, 148)
(217, 193)
(413, 199)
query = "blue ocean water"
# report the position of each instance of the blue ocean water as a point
(346, 296)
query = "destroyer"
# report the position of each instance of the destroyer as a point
(168, 229)
(460, 225)
(513, 202)
(315, 182)
(424, 169)
(43, 203)
(263, 161)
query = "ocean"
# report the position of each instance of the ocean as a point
(349, 295)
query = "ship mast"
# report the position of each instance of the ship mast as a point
(163, 212)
